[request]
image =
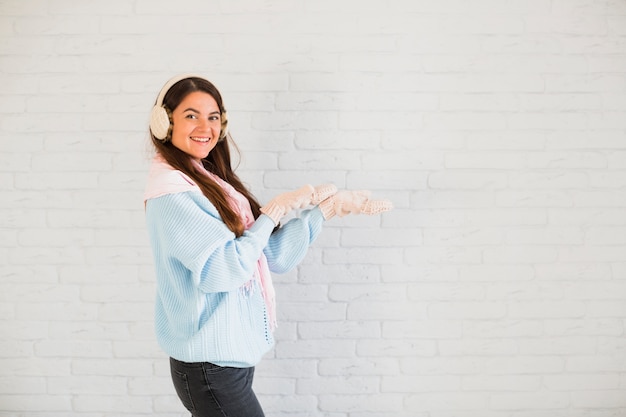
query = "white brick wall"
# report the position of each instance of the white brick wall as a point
(497, 288)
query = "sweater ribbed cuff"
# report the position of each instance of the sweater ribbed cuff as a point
(328, 208)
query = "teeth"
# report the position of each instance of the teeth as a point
(199, 139)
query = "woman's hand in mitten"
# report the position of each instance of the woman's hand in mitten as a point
(282, 204)
(353, 202)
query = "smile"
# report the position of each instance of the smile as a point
(202, 139)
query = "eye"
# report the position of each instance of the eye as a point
(190, 116)
(214, 118)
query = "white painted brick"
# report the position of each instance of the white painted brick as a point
(561, 346)
(290, 404)
(59, 181)
(447, 199)
(509, 141)
(15, 162)
(363, 256)
(315, 349)
(389, 403)
(603, 327)
(359, 366)
(600, 398)
(442, 401)
(114, 404)
(314, 160)
(478, 273)
(301, 293)
(463, 236)
(445, 291)
(340, 330)
(572, 139)
(137, 293)
(380, 310)
(87, 385)
(23, 385)
(466, 180)
(366, 120)
(339, 385)
(431, 329)
(274, 182)
(413, 384)
(515, 401)
(111, 311)
(286, 368)
(145, 386)
(311, 311)
(431, 140)
(385, 180)
(76, 274)
(112, 367)
(38, 402)
(314, 102)
(561, 102)
(441, 366)
(496, 128)
(368, 292)
(520, 364)
(341, 140)
(525, 291)
(274, 386)
(606, 309)
(133, 349)
(534, 198)
(520, 254)
(501, 383)
(600, 198)
(546, 236)
(169, 406)
(477, 347)
(73, 349)
(592, 254)
(403, 160)
(346, 273)
(373, 237)
(484, 160)
(466, 310)
(551, 309)
(443, 255)
(28, 274)
(37, 367)
(586, 362)
(599, 217)
(590, 291)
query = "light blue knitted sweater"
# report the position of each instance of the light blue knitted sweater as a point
(204, 310)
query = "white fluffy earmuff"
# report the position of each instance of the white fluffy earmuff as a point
(160, 119)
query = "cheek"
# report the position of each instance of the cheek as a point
(180, 129)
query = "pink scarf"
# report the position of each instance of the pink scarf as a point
(164, 179)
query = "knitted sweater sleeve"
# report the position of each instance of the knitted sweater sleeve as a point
(288, 246)
(186, 231)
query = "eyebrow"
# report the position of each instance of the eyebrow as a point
(196, 111)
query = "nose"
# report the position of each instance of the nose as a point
(204, 125)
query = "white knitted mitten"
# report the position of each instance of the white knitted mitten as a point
(282, 204)
(353, 202)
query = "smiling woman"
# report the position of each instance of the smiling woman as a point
(214, 247)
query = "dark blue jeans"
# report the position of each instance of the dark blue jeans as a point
(208, 390)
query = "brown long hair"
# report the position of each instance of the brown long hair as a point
(217, 162)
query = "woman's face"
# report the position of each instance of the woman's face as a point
(196, 124)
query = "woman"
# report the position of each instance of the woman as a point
(214, 246)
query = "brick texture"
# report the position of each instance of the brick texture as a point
(496, 288)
